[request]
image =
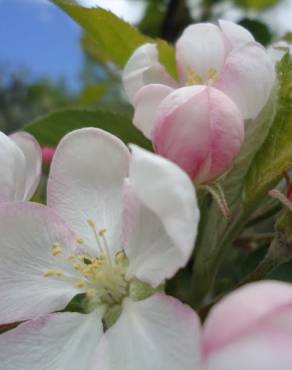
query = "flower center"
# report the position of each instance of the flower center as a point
(103, 277)
(193, 78)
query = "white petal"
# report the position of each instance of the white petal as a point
(28, 231)
(201, 47)
(236, 34)
(12, 175)
(85, 182)
(161, 217)
(143, 68)
(146, 102)
(61, 341)
(157, 333)
(33, 160)
(247, 78)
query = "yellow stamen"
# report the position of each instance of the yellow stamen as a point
(193, 78)
(80, 284)
(56, 249)
(91, 223)
(53, 273)
(213, 74)
(102, 232)
(79, 241)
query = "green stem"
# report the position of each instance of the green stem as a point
(207, 262)
(279, 252)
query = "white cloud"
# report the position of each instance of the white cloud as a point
(131, 11)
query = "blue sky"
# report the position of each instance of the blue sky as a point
(39, 36)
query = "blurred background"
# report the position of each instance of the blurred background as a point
(46, 63)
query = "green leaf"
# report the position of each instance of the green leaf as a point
(50, 129)
(114, 38)
(275, 155)
(282, 272)
(256, 4)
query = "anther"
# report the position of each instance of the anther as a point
(53, 273)
(192, 77)
(56, 249)
(91, 223)
(212, 74)
(102, 232)
(80, 284)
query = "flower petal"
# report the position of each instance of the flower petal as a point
(268, 347)
(85, 183)
(236, 34)
(28, 231)
(61, 341)
(33, 160)
(242, 310)
(146, 102)
(200, 129)
(143, 68)
(157, 333)
(201, 48)
(160, 218)
(247, 78)
(12, 176)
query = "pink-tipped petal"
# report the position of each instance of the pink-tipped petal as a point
(236, 34)
(247, 78)
(28, 231)
(267, 346)
(240, 312)
(146, 102)
(85, 183)
(61, 341)
(157, 333)
(200, 129)
(33, 161)
(201, 48)
(161, 217)
(143, 68)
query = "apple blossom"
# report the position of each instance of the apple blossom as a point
(229, 77)
(116, 226)
(20, 159)
(226, 57)
(250, 329)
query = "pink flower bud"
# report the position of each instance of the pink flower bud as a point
(47, 155)
(197, 127)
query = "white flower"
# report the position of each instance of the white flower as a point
(20, 163)
(116, 226)
(226, 57)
